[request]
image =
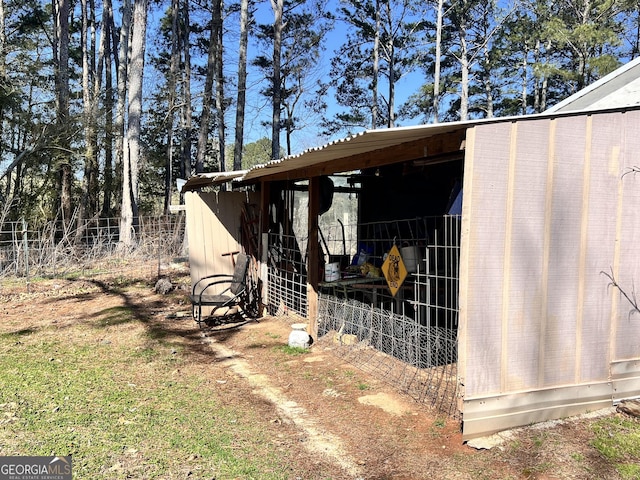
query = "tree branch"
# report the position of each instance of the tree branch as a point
(631, 298)
(27, 151)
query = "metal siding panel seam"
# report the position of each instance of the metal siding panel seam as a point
(548, 212)
(584, 224)
(615, 269)
(465, 245)
(504, 363)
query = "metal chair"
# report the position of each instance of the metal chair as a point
(230, 302)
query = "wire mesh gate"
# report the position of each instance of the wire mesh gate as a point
(287, 276)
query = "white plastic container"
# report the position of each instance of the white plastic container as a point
(411, 257)
(299, 336)
(332, 272)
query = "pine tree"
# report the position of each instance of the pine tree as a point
(378, 51)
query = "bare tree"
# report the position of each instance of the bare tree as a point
(219, 75)
(172, 82)
(104, 66)
(185, 150)
(207, 94)
(122, 68)
(88, 203)
(130, 191)
(278, 27)
(438, 62)
(242, 84)
(61, 60)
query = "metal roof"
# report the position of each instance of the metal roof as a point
(364, 142)
(621, 88)
(214, 178)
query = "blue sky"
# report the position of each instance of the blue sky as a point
(258, 109)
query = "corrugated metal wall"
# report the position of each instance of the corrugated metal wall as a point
(546, 211)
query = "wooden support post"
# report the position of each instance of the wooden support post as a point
(313, 262)
(265, 200)
(263, 241)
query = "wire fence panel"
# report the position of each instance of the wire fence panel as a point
(416, 359)
(287, 277)
(409, 339)
(50, 251)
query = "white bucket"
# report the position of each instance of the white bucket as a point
(411, 257)
(332, 272)
(299, 336)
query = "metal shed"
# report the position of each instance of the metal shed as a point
(549, 216)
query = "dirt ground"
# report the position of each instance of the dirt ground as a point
(330, 418)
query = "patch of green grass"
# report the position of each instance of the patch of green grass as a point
(121, 413)
(578, 457)
(363, 386)
(618, 440)
(440, 422)
(286, 349)
(85, 272)
(538, 441)
(274, 336)
(148, 353)
(630, 471)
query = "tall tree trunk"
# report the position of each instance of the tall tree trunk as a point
(438, 60)
(525, 81)
(105, 59)
(464, 76)
(220, 108)
(635, 45)
(185, 150)
(171, 101)
(242, 84)
(488, 84)
(207, 98)
(3, 76)
(278, 27)
(122, 68)
(582, 51)
(392, 77)
(376, 68)
(63, 158)
(88, 204)
(130, 190)
(537, 81)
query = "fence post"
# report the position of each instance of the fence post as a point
(25, 245)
